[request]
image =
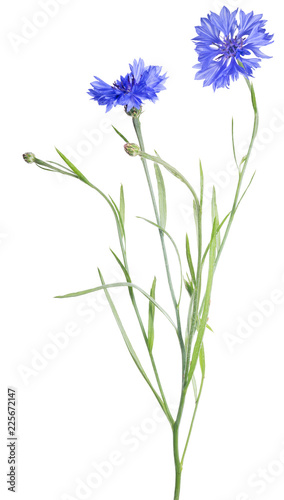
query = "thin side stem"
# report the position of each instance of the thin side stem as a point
(241, 171)
(231, 217)
(135, 306)
(137, 127)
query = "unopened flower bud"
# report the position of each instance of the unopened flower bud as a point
(29, 157)
(134, 112)
(132, 149)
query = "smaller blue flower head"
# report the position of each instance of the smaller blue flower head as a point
(228, 47)
(141, 84)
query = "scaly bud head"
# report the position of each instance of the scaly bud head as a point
(131, 149)
(29, 157)
(134, 112)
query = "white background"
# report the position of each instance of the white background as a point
(85, 405)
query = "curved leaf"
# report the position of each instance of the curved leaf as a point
(115, 285)
(151, 317)
(162, 196)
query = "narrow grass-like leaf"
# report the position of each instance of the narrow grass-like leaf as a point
(120, 134)
(122, 266)
(214, 212)
(119, 216)
(225, 218)
(70, 165)
(188, 322)
(218, 229)
(209, 328)
(243, 160)
(162, 196)
(112, 205)
(117, 285)
(49, 167)
(188, 287)
(189, 259)
(195, 213)
(194, 386)
(128, 343)
(59, 165)
(202, 359)
(203, 321)
(122, 205)
(151, 316)
(245, 190)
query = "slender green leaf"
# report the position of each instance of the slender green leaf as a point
(122, 205)
(189, 260)
(126, 274)
(209, 328)
(70, 165)
(119, 216)
(225, 218)
(214, 212)
(127, 341)
(116, 285)
(189, 287)
(245, 190)
(49, 167)
(203, 321)
(120, 134)
(194, 386)
(112, 205)
(243, 160)
(218, 229)
(188, 322)
(202, 359)
(162, 196)
(151, 316)
(195, 213)
(59, 165)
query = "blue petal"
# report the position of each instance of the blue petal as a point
(221, 41)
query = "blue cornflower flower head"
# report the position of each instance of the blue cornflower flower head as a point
(141, 84)
(228, 47)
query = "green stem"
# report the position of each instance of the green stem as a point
(172, 170)
(242, 171)
(231, 217)
(178, 467)
(137, 127)
(197, 291)
(194, 317)
(177, 461)
(135, 306)
(193, 418)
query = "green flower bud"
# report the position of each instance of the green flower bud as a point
(29, 157)
(134, 112)
(132, 149)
